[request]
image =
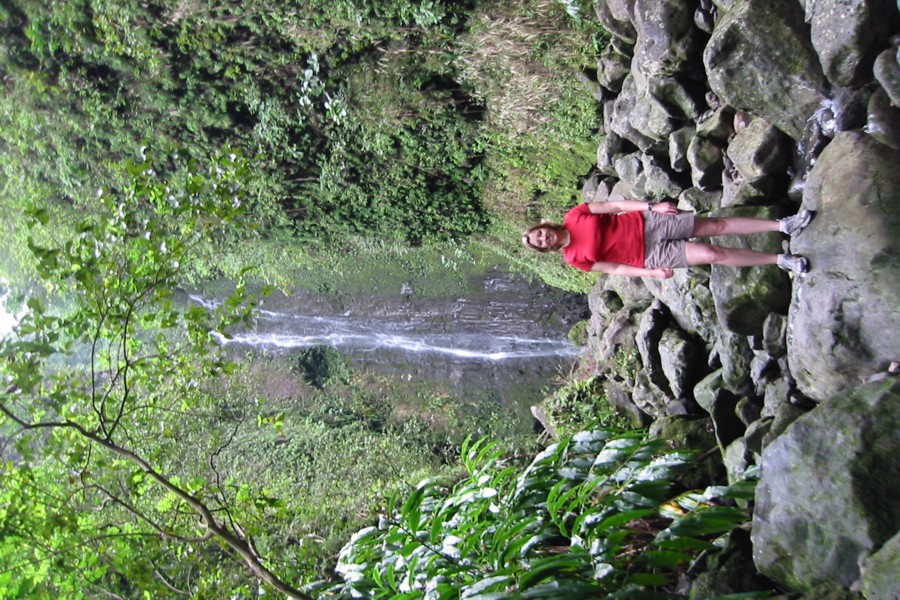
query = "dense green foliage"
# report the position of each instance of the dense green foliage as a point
(322, 366)
(596, 515)
(95, 388)
(365, 140)
(138, 459)
(94, 80)
(335, 456)
(581, 404)
(406, 121)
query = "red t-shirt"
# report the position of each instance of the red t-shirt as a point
(616, 238)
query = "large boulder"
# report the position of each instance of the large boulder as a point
(744, 296)
(736, 356)
(611, 144)
(760, 153)
(622, 10)
(759, 55)
(689, 300)
(668, 42)
(661, 183)
(612, 68)
(704, 155)
(650, 118)
(827, 496)
(680, 359)
(883, 120)
(614, 23)
(880, 572)
(848, 34)
(844, 316)
(887, 73)
(653, 323)
(720, 403)
(616, 117)
(678, 145)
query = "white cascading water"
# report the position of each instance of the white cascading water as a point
(401, 333)
(7, 320)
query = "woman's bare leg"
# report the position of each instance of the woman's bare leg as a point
(708, 254)
(712, 226)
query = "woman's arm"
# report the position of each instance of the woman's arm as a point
(629, 271)
(622, 206)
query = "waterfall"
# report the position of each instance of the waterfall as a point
(503, 342)
(8, 320)
(425, 333)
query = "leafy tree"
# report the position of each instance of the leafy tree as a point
(87, 81)
(103, 396)
(323, 365)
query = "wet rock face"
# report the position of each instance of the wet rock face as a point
(744, 297)
(887, 72)
(844, 315)
(827, 496)
(847, 35)
(759, 55)
(750, 108)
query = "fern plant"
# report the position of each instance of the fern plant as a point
(592, 516)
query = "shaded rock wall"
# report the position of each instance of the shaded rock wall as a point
(759, 107)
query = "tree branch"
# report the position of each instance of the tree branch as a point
(235, 541)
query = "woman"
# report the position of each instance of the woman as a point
(642, 239)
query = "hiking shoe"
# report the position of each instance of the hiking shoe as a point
(793, 263)
(795, 224)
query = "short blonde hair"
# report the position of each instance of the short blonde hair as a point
(543, 224)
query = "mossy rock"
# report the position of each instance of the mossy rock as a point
(692, 435)
(578, 333)
(730, 571)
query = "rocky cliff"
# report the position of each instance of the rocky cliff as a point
(760, 107)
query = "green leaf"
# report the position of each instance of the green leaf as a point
(647, 579)
(478, 589)
(615, 520)
(541, 569)
(683, 543)
(411, 512)
(660, 559)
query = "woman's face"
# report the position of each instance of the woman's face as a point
(544, 237)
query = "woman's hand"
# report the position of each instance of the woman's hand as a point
(663, 272)
(665, 208)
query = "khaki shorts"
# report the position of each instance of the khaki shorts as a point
(664, 239)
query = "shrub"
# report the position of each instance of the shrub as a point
(592, 515)
(322, 366)
(582, 405)
(578, 333)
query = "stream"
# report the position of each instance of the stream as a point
(504, 343)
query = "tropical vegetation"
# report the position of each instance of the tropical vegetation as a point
(156, 144)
